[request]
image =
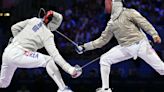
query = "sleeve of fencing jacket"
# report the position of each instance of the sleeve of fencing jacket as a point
(142, 22)
(54, 53)
(105, 37)
(16, 28)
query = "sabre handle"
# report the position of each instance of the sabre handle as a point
(79, 49)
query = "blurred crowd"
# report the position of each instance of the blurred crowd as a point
(153, 10)
(83, 20)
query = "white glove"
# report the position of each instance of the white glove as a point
(77, 71)
(79, 49)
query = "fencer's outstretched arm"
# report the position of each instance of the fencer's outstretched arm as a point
(105, 37)
(16, 28)
(55, 22)
(53, 52)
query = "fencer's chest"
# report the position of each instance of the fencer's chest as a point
(119, 25)
(115, 27)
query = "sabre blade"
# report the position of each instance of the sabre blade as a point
(77, 46)
(67, 38)
(90, 62)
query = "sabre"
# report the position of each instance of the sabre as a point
(67, 38)
(77, 46)
(42, 9)
(90, 62)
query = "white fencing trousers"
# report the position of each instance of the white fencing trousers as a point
(15, 57)
(141, 49)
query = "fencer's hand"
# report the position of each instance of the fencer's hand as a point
(79, 49)
(77, 71)
(157, 39)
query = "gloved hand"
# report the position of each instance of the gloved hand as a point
(157, 39)
(80, 49)
(77, 71)
(48, 16)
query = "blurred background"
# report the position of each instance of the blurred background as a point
(84, 20)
